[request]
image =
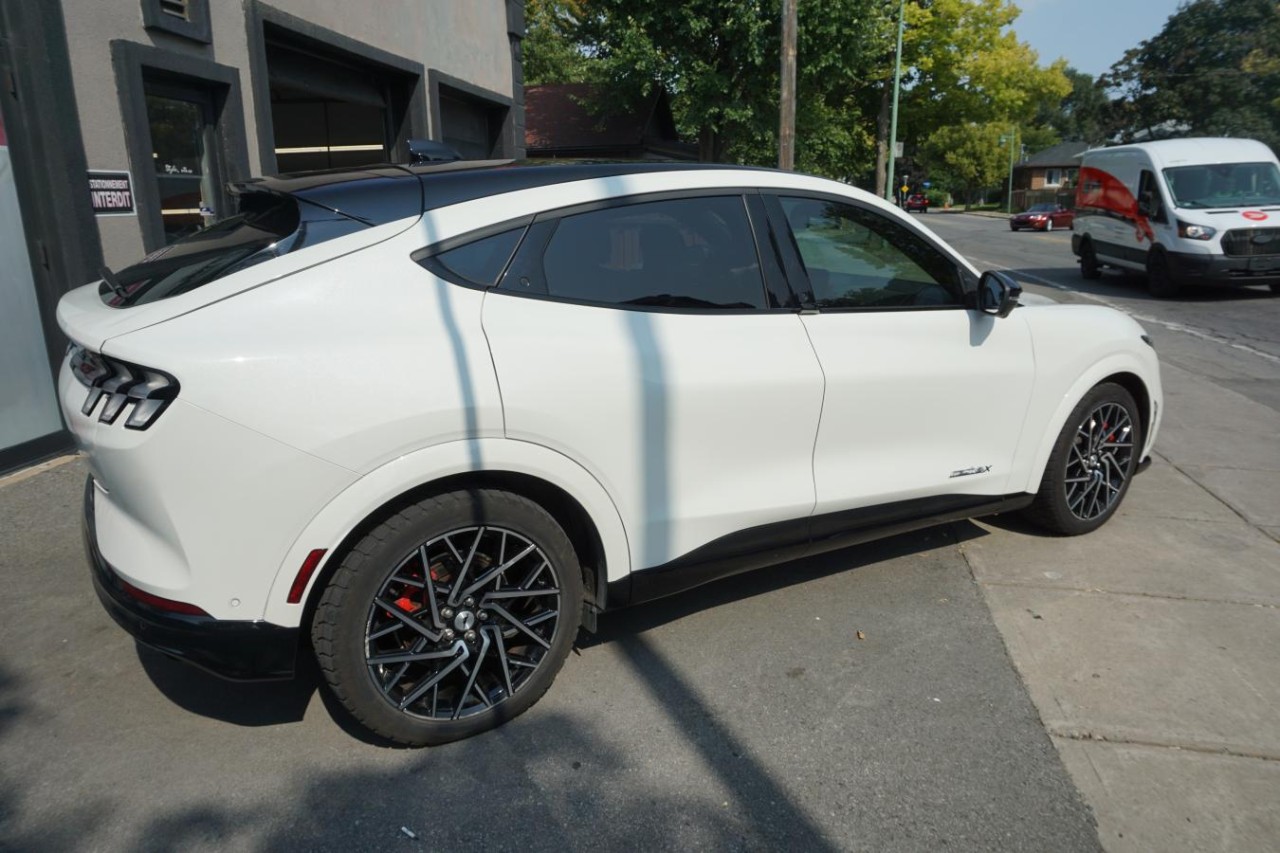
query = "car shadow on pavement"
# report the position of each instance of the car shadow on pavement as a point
(241, 703)
(645, 617)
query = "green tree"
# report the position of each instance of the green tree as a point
(551, 51)
(1213, 70)
(966, 158)
(962, 64)
(1085, 114)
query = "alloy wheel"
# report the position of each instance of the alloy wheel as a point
(462, 623)
(1099, 461)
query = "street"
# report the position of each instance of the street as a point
(977, 685)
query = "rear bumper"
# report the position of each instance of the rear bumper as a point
(238, 650)
(1223, 270)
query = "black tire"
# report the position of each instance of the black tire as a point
(924, 210)
(1275, 288)
(1089, 267)
(1160, 282)
(454, 540)
(1013, 227)
(1092, 463)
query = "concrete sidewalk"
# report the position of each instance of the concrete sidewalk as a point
(1150, 647)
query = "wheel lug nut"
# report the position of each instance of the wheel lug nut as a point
(483, 615)
(470, 636)
(448, 633)
(470, 602)
(447, 613)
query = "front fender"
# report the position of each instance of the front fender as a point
(1113, 365)
(383, 484)
(1076, 347)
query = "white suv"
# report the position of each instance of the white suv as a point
(433, 419)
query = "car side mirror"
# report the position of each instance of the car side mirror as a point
(997, 293)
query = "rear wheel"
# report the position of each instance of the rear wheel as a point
(1159, 281)
(1275, 288)
(450, 617)
(1092, 462)
(1089, 267)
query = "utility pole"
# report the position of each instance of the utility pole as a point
(787, 108)
(891, 184)
(1013, 143)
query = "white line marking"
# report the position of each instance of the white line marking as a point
(1141, 318)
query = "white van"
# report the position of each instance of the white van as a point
(1184, 211)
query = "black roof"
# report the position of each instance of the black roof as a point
(385, 193)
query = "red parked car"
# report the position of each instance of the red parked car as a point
(917, 201)
(1043, 217)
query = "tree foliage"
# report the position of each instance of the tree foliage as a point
(551, 53)
(1213, 70)
(719, 60)
(1085, 114)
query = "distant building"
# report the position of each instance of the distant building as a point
(1048, 175)
(560, 121)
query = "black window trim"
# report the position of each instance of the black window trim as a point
(425, 257)
(795, 269)
(556, 215)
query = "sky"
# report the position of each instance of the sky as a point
(1090, 34)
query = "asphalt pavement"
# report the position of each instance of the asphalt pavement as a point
(746, 715)
(1007, 686)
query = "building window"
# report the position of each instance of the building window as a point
(186, 18)
(474, 122)
(180, 119)
(325, 100)
(328, 112)
(184, 124)
(1052, 177)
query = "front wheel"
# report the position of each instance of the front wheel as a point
(450, 617)
(1275, 288)
(1089, 267)
(1159, 280)
(1092, 462)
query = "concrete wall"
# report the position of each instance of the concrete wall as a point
(467, 40)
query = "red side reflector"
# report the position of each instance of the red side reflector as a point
(309, 566)
(159, 603)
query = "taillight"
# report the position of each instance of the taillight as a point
(122, 384)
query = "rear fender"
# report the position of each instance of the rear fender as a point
(414, 470)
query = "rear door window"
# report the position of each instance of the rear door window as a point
(692, 253)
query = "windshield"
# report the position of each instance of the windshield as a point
(1224, 185)
(1042, 208)
(268, 225)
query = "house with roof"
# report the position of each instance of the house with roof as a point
(1048, 175)
(563, 120)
